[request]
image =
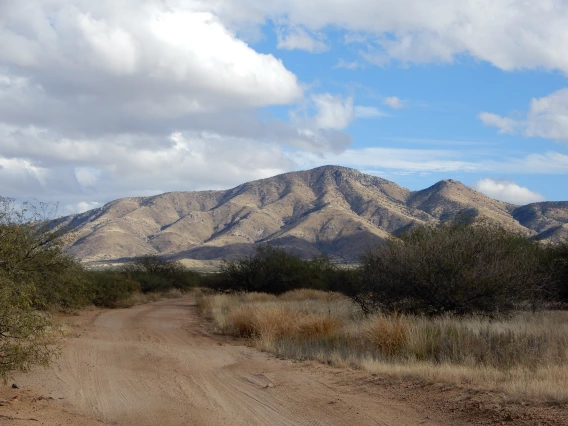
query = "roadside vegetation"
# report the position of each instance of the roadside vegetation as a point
(38, 278)
(524, 354)
(467, 302)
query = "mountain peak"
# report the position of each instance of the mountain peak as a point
(334, 210)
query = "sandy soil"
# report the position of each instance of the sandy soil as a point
(156, 364)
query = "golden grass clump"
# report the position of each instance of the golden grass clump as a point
(388, 334)
(525, 355)
(303, 294)
(313, 325)
(268, 322)
(254, 297)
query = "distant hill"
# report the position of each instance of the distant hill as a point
(332, 210)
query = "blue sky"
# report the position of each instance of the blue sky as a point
(440, 107)
(102, 100)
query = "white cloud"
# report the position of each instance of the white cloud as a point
(393, 102)
(80, 207)
(112, 167)
(507, 191)
(408, 160)
(333, 112)
(87, 176)
(149, 62)
(353, 65)
(298, 38)
(101, 100)
(546, 163)
(547, 118)
(367, 112)
(404, 160)
(504, 124)
(508, 34)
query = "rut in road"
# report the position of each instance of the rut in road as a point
(156, 364)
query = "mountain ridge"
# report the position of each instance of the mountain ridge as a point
(332, 210)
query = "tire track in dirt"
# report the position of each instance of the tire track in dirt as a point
(156, 365)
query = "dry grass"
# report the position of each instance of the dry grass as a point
(525, 355)
(388, 334)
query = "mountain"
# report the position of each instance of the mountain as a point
(333, 210)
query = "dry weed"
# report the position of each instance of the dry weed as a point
(388, 334)
(525, 355)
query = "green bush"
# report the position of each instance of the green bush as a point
(156, 274)
(36, 275)
(110, 288)
(459, 268)
(32, 254)
(273, 270)
(559, 264)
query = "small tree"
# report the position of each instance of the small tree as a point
(274, 270)
(26, 334)
(31, 253)
(111, 288)
(559, 265)
(458, 268)
(35, 274)
(158, 274)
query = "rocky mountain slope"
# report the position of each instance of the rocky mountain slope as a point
(333, 210)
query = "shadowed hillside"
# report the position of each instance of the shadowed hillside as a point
(333, 210)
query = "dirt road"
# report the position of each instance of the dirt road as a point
(156, 364)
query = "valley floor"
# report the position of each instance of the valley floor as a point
(157, 364)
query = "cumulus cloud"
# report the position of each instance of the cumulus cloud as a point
(92, 61)
(110, 168)
(333, 112)
(298, 38)
(507, 191)
(100, 100)
(393, 102)
(504, 124)
(327, 112)
(547, 118)
(508, 34)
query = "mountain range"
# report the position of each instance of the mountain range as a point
(332, 210)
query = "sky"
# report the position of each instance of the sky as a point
(107, 99)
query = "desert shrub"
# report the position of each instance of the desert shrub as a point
(110, 288)
(273, 270)
(35, 275)
(31, 253)
(558, 262)
(155, 274)
(26, 334)
(459, 268)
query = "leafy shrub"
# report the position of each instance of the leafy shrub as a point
(35, 274)
(32, 254)
(458, 268)
(273, 270)
(156, 274)
(559, 266)
(109, 288)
